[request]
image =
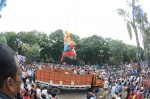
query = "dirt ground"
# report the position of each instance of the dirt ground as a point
(72, 95)
(76, 94)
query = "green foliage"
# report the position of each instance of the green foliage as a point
(31, 52)
(37, 46)
(12, 40)
(116, 49)
(135, 23)
(89, 50)
(56, 45)
(30, 38)
(3, 40)
(129, 30)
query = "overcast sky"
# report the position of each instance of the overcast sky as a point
(81, 17)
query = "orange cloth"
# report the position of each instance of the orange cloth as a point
(26, 73)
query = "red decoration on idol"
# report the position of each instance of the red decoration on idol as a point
(69, 50)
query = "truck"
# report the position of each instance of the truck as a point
(59, 80)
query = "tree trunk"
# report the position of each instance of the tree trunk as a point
(138, 50)
(149, 56)
(145, 32)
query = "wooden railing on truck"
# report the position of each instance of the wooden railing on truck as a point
(49, 76)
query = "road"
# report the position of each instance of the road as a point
(72, 95)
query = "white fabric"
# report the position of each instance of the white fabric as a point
(38, 92)
(93, 98)
(23, 75)
(29, 72)
(106, 84)
(113, 90)
(44, 92)
(74, 72)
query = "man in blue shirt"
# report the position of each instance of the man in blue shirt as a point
(117, 88)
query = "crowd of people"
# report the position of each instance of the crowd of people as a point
(31, 90)
(120, 82)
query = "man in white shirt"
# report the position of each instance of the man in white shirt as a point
(44, 91)
(106, 83)
(30, 74)
(38, 92)
(74, 71)
(113, 89)
(23, 75)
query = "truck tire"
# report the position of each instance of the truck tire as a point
(56, 90)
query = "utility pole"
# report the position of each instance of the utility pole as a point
(101, 55)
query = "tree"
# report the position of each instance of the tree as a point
(31, 37)
(144, 27)
(117, 49)
(89, 50)
(132, 22)
(45, 48)
(12, 40)
(56, 45)
(131, 53)
(49, 48)
(3, 39)
(32, 53)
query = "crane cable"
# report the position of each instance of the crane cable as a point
(71, 16)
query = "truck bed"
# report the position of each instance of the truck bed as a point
(61, 80)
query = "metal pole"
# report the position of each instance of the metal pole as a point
(101, 51)
(101, 59)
